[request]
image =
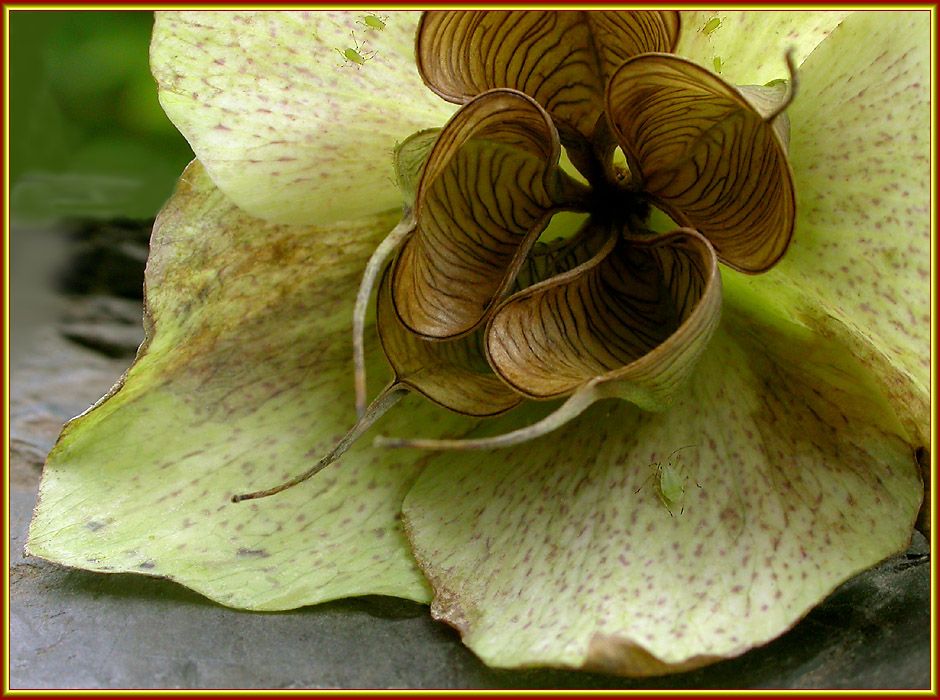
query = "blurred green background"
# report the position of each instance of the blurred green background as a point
(88, 139)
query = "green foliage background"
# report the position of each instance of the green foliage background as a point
(88, 138)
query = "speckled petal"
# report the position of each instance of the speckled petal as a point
(244, 380)
(750, 45)
(859, 266)
(286, 125)
(562, 552)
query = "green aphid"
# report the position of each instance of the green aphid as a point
(718, 64)
(373, 22)
(355, 55)
(711, 25)
(670, 483)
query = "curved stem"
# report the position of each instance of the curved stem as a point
(571, 408)
(792, 86)
(373, 268)
(391, 395)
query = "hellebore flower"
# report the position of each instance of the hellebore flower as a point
(618, 312)
(787, 463)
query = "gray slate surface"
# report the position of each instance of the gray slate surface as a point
(75, 629)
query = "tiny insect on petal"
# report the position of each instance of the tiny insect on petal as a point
(671, 485)
(353, 55)
(711, 25)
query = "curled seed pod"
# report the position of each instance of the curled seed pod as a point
(542, 53)
(483, 188)
(630, 323)
(490, 186)
(680, 127)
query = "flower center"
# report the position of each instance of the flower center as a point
(615, 203)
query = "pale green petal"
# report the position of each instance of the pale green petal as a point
(561, 553)
(750, 45)
(859, 266)
(244, 381)
(285, 125)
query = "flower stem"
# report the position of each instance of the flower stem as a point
(373, 268)
(792, 86)
(391, 395)
(574, 406)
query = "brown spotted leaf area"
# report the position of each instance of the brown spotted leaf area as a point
(248, 341)
(795, 469)
(562, 553)
(281, 120)
(860, 273)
